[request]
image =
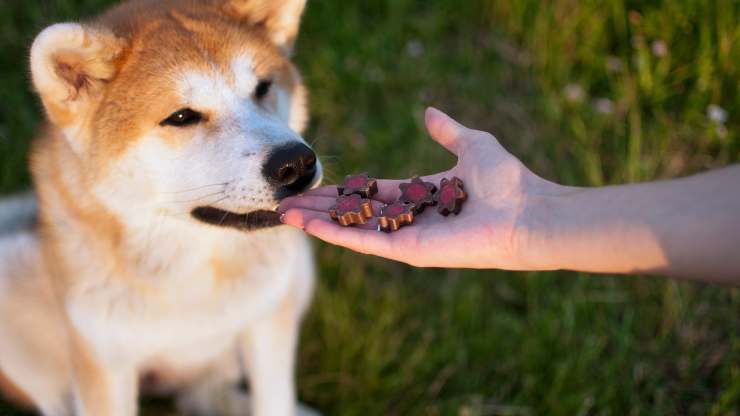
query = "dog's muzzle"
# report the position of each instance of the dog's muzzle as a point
(290, 169)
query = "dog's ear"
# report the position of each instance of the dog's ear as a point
(280, 18)
(70, 64)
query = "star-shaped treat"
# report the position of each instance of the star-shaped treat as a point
(451, 196)
(418, 193)
(395, 215)
(351, 209)
(361, 184)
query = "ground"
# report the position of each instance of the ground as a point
(586, 93)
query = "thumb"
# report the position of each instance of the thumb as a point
(445, 131)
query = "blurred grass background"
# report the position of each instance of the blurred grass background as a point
(586, 93)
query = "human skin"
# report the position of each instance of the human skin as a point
(515, 220)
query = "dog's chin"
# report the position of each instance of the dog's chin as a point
(251, 221)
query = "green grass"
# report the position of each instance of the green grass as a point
(383, 338)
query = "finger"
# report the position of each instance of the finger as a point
(387, 191)
(444, 130)
(452, 135)
(317, 203)
(361, 240)
(330, 190)
(299, 218)
(296, 217)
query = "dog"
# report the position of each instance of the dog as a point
(150, 258)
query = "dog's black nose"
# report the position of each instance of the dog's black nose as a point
(292, 165)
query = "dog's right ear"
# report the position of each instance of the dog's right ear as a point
(70, 65)
(280, 18)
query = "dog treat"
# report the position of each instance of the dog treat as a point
(418, 193)
(351, 209)
(395, 215)
(451, 196)
(361, 184)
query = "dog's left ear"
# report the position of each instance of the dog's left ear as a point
(280, 18)
(70, 65)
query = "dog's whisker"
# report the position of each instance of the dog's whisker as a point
(226, 214)
(330, 173)
(195, 199)
(220, 200)
(188, 211)
(199, 188)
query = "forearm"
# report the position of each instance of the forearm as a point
(685, 228)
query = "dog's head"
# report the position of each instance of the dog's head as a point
(181, 107)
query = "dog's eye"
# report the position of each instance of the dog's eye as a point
(263, 88)
(182, 118)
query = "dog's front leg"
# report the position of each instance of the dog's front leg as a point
(268, 348)
(103, 387)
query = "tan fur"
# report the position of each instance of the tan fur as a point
(225, 269)
(91, 380)
(153, 36)
(85, 68)
(120, 114)
(60, 187)
(13, 393)
(263, 15)
(110, 85)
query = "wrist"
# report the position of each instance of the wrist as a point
(543, 213)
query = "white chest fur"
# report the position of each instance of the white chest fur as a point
(190, 306)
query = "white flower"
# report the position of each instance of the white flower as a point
(414, 48)
(574, 93)
(604, 106)
(660, 49)
(717, 114)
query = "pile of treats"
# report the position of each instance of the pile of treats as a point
(354, 207)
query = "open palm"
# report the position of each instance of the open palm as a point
(487, 233)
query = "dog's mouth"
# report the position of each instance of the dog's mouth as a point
(255, 220)
(259, 219)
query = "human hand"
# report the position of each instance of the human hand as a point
(492, 230)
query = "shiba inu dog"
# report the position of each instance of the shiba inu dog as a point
(157, 262)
